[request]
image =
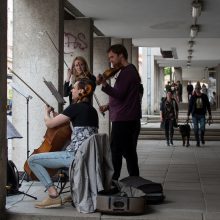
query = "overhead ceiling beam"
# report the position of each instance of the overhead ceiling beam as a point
(78, 14)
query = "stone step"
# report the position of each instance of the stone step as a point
(180, 120)
(182, 117)
(158, 134)
(175, 137)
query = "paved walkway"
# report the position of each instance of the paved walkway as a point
(190, 176)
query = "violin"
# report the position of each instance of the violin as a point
(108, 73)
(88, 90)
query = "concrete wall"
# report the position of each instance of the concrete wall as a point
(193, 74)
(150, 75)
(144, 81)
(185, 94)
(161, 83)
(128, 45)
(101, 63)
(3, 103)
(116, 41)
(157, 88)
(34, 58)
(147, 77)
(218, 86)
(153, 82)
(178, 74)
(135, 56)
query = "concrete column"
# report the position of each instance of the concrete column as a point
(128, 45)
(149, 79)
(185, 94)
(116, 41)
(161, 83)
(101, 63)
(218, 87)
(152, 81)
(78, 41)
(135, 55)
(178, 74)
(145, 98)
(3, 103)
(158, 87)
(35, 57)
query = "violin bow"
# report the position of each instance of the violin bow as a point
(55, 47)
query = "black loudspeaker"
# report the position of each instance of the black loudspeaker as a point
(12, 178)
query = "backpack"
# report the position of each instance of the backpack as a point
(12, 178)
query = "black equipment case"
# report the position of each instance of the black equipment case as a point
(154, 191)
(12, 178)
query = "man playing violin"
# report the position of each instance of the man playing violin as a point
(84, 119)
(124, 109)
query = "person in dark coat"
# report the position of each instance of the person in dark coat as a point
(198, 106)
(124, 110)
(179, 91)
(169, 116)
(189, 90)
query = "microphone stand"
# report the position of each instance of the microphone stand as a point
(27, 97)
(27, 102)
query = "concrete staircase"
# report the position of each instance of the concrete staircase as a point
(151, 130)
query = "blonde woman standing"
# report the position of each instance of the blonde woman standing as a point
(78, 70)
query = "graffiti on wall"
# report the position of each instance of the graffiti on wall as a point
(72, 42)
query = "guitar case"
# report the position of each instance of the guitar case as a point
(123, 205)
(121, 200)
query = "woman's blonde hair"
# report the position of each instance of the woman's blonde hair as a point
(85, 73)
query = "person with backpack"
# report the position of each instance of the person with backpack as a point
(198, 106)
(169, 116)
